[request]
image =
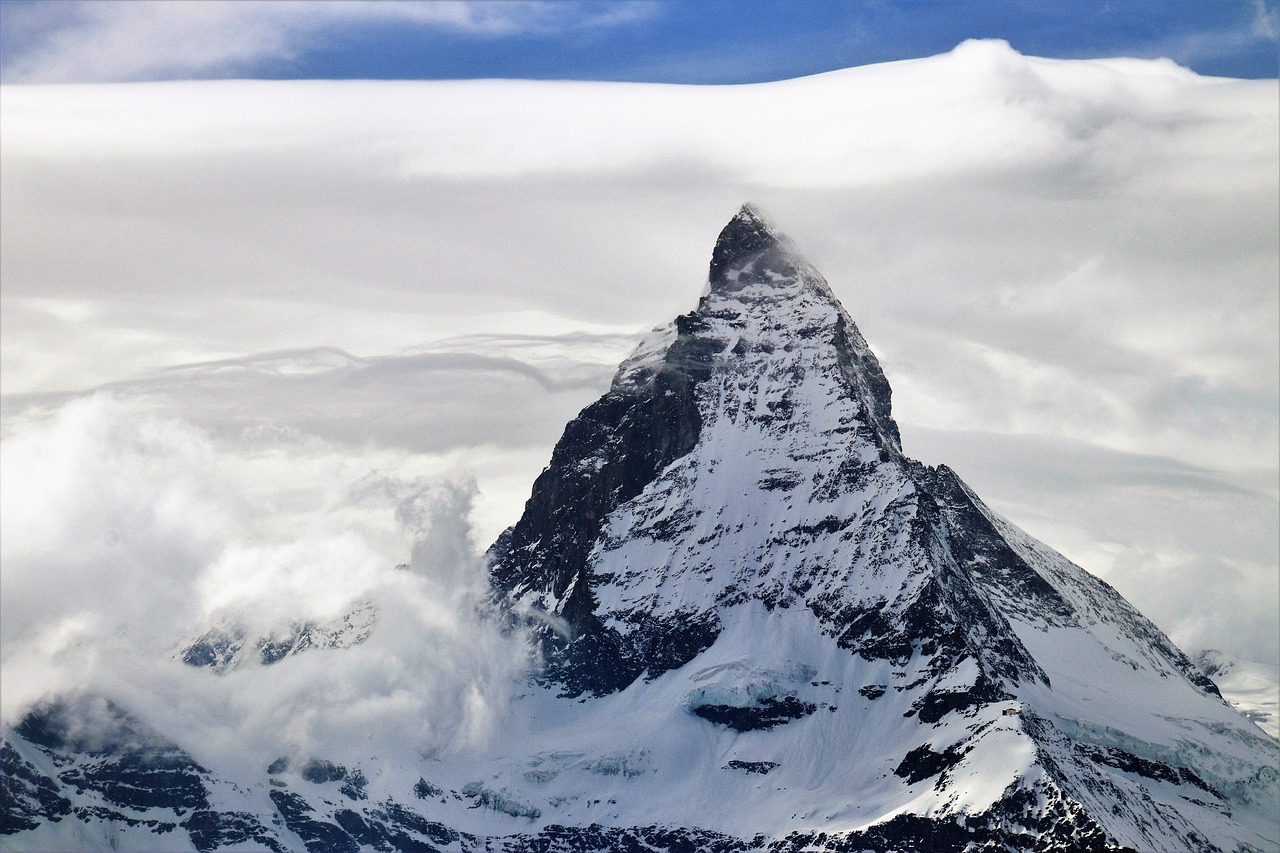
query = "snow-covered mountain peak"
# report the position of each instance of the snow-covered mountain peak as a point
(747, 234)
(743, 478)
(766, 390)
(751, 250)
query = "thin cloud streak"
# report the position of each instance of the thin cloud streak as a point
(87, 41)
(441, 398)
(1266, 21)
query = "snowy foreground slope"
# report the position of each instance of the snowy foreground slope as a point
(763, 628)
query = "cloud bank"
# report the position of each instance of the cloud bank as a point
(129, 535)
(311, 302)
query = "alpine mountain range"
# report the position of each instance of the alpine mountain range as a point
(760, 626)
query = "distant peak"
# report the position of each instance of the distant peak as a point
(747, 233)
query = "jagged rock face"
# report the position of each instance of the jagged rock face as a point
(608, 454)
(764, 628)
(747, 453)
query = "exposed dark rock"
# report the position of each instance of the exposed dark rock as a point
(747, 235)
(923, 762)
(400, 818)
(422, 789)
(633, 432)
(353, 785)
(145, 778)
(781, 480)
(211, 830)
(866, 382)
(27, 797)
(319, 836)
(603, 660)
(936, 704)
(766, 714)
(129, 766)
(363, 831)
(215, 649)
(761, 767)
(994, 565)
(1158, 770)
(595, 838)
(318, 771)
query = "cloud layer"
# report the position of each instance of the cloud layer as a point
(312, 303)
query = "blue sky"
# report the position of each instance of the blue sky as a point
(711, 41)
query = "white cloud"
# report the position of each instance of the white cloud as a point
(1045, 254)
(86, 41)
(127, 535)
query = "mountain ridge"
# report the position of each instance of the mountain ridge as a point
(898, 562)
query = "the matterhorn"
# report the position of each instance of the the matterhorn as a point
(762, 627)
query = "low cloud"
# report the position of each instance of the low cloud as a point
(128, 535)
(487, 405)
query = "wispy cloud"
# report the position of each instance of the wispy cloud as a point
(1266, 21)
(90, 41)
(457, 385)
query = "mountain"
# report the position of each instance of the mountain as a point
(1251, 687)
(761, 627)
(229, 646)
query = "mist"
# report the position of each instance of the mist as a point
(128, 535)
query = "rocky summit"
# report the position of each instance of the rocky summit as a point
(761, 626)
